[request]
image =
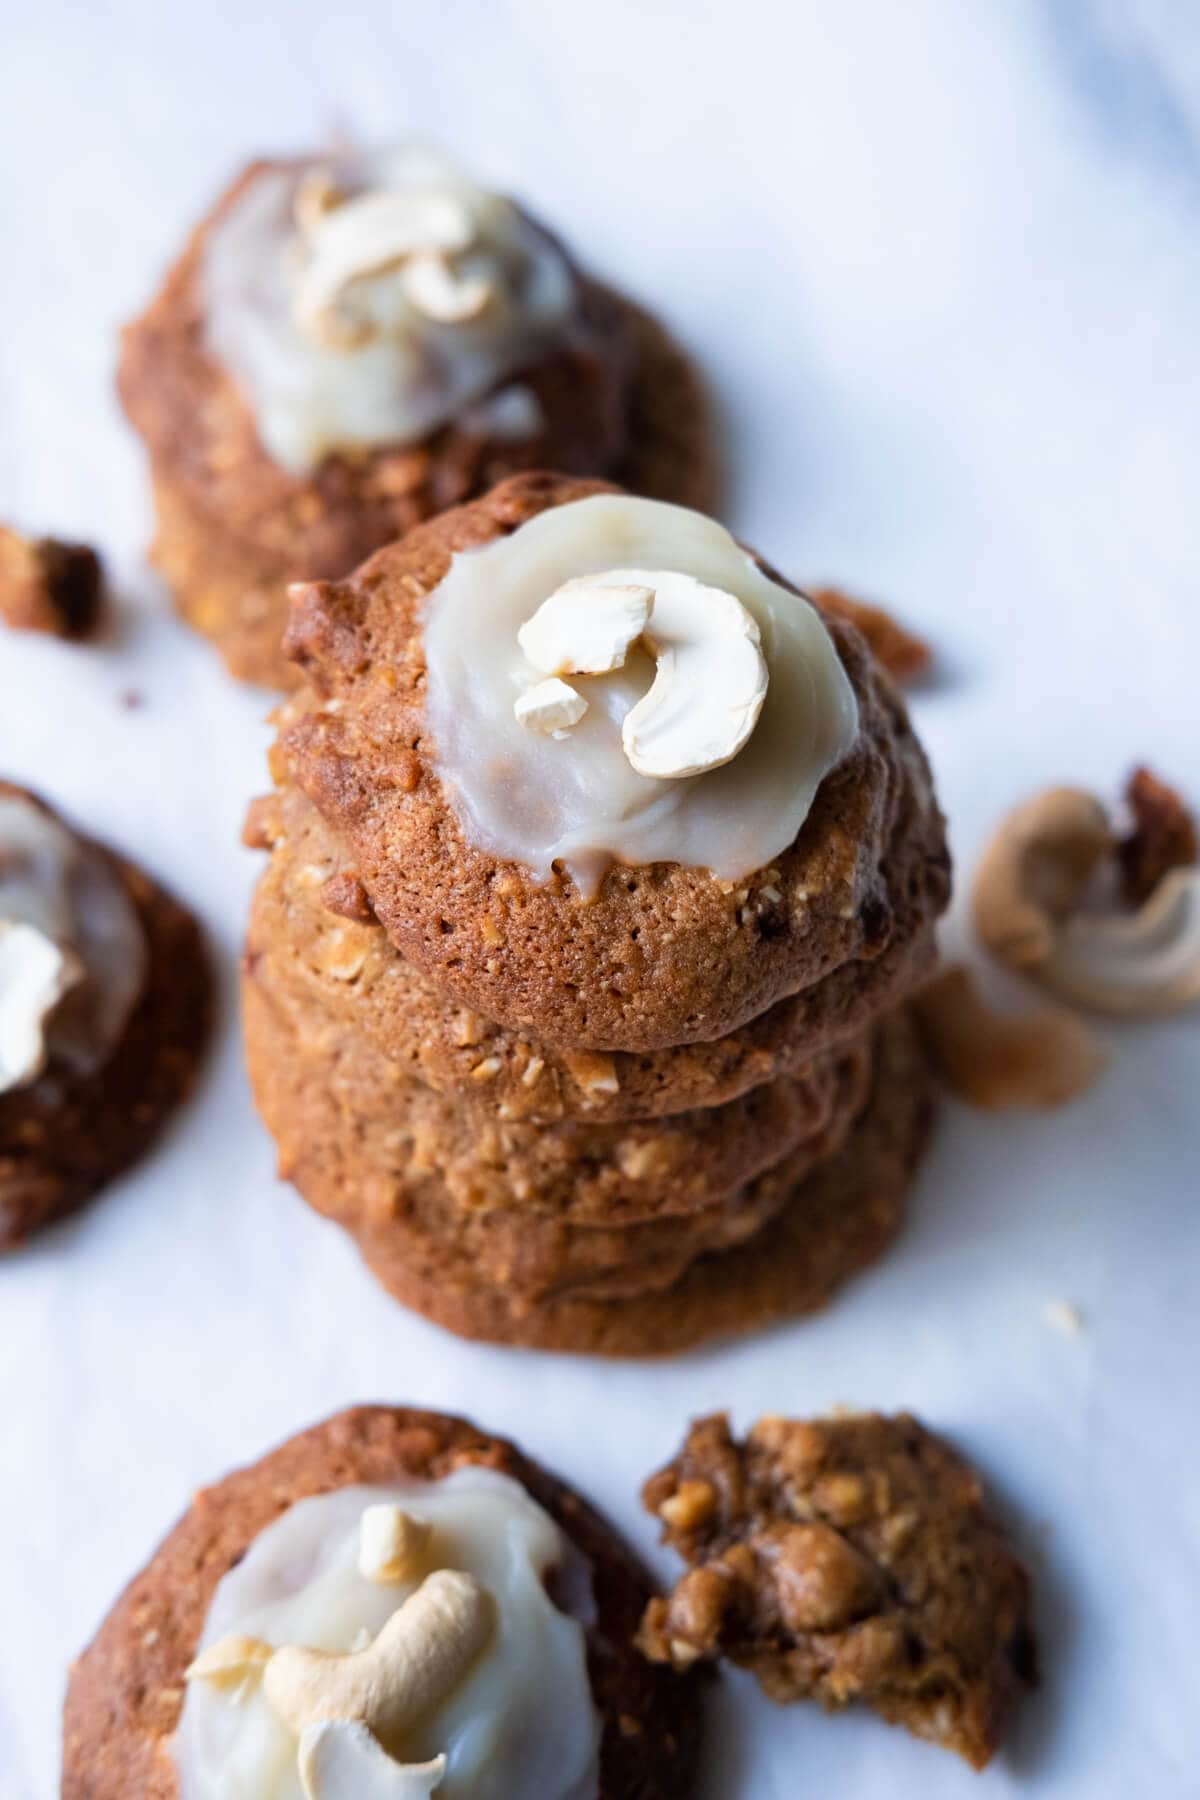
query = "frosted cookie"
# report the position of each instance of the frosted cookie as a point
(523, 857)
(315, 940)
(392, 1603)
(849, 1559)
(105, 1005)
(350, 343)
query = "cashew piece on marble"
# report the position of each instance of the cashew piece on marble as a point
(341, 1760)
(418, 1658)
(995, 1060)
(1034, 869)
(1027, 892)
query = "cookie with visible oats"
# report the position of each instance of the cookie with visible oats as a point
(312, 929)
(127, 1689)
(617, 398)
(820, 1213)
(110, 1071)
(663, 955)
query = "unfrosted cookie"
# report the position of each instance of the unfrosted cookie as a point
(846, 1559)
(823, 1223)
(312, 929)
(391, 1135)
(514, 1558)
(537, 1224)
(663, 953)
(105, 1007)
(601, 390)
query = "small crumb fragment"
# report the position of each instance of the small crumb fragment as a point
(345, 895)
(131, 700)
(49, 586)
(902, 654)
(1064, 1317)
(991, 1060)
(1164, 836)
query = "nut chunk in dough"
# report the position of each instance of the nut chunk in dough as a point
(846, 1559)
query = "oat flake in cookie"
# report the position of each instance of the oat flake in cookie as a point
(352, 342)
(104, 1011)
(391, 1604)
(846, 1559)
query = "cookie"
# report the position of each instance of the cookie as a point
(662, 954)
(849, 1559)
(389, 1131)
(312, 928)
(127, 1690)
(537, 1225)
(823, 1224)
(612, 396)
(103, 1087)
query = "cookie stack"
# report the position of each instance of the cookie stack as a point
(619, 1116)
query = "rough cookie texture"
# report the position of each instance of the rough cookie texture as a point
(312, 926)
(779, 1246)
(63, 1136)
(126, 1691)
(663, 955)
(235, 527)
(846, 1559)
(616, 1174)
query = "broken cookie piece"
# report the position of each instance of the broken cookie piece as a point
(49, 586)
(904, 655)
(846, 1559)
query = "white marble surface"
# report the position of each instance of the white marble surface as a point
(943, 264)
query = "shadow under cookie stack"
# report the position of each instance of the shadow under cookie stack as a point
(619, 1109)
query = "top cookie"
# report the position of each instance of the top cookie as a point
(660, 953)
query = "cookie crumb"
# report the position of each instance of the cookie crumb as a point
(904, 655)
(1064, 1316)
(1164, 836)
(49, 586)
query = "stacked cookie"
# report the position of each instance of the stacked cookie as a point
(618, 1114)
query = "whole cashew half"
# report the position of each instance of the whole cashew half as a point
(420, 1656)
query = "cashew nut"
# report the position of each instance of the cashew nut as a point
(709, 683)
(419, 1657)
(550, 706)
(437, 289)
(1027, 890)
(231, 1661)
(35, 973)
(1143, 962)
(587, 626)
(1034, 870)
(341, 1760)
(391, 1543)
(369, 235)
(1043, 1058)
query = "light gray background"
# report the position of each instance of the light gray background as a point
(942, 263)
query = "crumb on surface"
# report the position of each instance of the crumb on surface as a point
(49, 586)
